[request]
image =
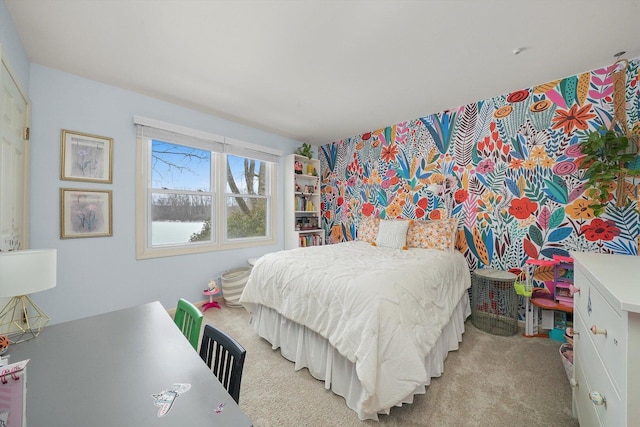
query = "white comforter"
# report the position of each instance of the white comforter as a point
(382, 309)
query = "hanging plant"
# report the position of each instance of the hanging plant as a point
(607, 157)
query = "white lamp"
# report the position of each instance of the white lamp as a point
(433, 188)
(23, 273)
(445, 191)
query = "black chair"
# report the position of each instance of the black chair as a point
(225, 357)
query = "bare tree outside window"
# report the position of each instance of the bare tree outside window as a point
(246, 198)
(183, 200)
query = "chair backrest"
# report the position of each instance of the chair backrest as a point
(225, 356)
(189, 320)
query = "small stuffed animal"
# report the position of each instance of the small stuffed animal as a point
(213, 286)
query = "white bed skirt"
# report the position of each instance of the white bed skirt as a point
(309, 350)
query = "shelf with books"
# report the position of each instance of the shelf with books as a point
(302, 220)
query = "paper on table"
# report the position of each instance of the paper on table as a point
(166, 398)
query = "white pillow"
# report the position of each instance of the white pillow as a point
(392, 234)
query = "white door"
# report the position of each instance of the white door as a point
(14, 161)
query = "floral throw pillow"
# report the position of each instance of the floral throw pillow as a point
(437, 234)
(368, 229)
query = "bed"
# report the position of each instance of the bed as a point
(374, 323)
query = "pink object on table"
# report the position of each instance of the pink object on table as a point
(541, 262)
(561, 258)
(544, 303)
(211, 303)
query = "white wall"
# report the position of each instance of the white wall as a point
(101, 274)
(12, 47)
(96, 275)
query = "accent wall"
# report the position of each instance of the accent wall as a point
(507, 167)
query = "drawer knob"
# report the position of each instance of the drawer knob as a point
(570, 332)
(597, 398)
(595, 331)
(573, 290)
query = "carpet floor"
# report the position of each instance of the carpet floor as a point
(489, 381)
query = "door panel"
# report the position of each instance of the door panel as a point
(14, 161)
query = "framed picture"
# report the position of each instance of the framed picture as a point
(85, 213)
(85, 157)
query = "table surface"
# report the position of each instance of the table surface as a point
(104, 370)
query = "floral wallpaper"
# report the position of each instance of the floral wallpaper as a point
(507, 167)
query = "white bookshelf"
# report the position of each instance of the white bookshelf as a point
(302, 222)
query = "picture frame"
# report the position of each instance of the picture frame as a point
(85, 157)
(85, 213)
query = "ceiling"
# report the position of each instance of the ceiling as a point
(319, 71)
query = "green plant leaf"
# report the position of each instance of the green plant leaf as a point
(556, 218)
(536, 235)
(607, 155)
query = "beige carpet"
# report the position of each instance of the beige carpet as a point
(490, 381)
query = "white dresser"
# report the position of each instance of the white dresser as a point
(607, 341)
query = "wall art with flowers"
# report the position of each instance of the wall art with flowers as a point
(508, 167)
(85, 213)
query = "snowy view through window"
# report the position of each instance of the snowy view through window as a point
(183, 195)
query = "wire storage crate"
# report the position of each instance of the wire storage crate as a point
(494, 303)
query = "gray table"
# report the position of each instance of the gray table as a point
(103, 370)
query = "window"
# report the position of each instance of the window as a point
(200, 192)
(246, 198)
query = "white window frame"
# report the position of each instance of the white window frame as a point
(219, 147)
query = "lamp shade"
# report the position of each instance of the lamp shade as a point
(27, 272)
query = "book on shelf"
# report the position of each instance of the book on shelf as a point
(304, 204)
(310, 240)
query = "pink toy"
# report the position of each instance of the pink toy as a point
(212, 291)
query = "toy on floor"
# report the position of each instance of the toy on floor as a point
(524, 288)
(553, 302)
(212, 291)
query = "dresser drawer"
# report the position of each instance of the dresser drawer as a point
(609, 298)
(584, 409)
(591, 375)
(594, 310)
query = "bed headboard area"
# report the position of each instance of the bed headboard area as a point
(507, 167)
